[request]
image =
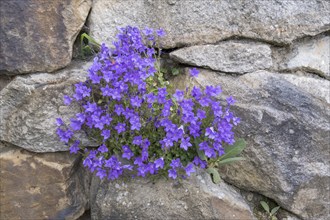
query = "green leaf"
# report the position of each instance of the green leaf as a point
(175, 71)
(230, 160)
(234, 150)
(200, 153)
(265, 206)
(214, 174)
(274, 210)
(90, 39)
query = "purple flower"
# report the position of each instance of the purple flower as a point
(148, 31)
(212, 91)
(120, 127)
(119, 109)
(161, 96)
(217, 109)
(138, 161)
(209, 152)
(105, 134)
(218, 147)
(127, 153)
(185, 143)
(103, 148)
(94, 77)
(176, 163)
(82, 91)
(137, 140)
(178, 95)
(101, 173)
(142, 170)
(166, 142)
(146, 142)
(122, 77)
(194, 72)
(194, 130)
(159, 163)
(197, 161)
(75, 147)
(144, 154)
(160, 33)
(236, 120)
(201, 114)
(172, 173)
(106, 91)
(136, 101)
(196, 93)
(115, 94)
(59, 122)
(108, 76)
(205, 101)
(81, 117)
(209, 132)
(75, 124)
(65, 136)
(152, 168)
(151, 98)
(67, 100)
(90, 107)
(98, 123)
(167, 108)
(87, 162)
(189, 169)
(203, 145)
(230, 100)
(128, 167)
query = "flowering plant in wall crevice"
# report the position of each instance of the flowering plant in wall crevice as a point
(141, 127)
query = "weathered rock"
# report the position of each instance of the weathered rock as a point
(5, 80)
(43, 43)
(287, 129)
(232, 57)
(208, 21)
(195, 198)
(311, 55)
(42, 186)
(30, 104)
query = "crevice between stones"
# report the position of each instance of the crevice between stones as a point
(254, 198)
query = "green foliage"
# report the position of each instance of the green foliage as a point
(114, 144)
(230, 156)
(271, 213)
(88, 45)
(214, 174)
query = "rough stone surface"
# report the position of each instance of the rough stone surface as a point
(41, 186)
(5, 80)
(29, 106)
(311, 55)
(196, 198)
(232, 57)
(287, 129)
(198, 22)
(38, 35)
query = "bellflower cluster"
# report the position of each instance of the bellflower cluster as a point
(141, 126)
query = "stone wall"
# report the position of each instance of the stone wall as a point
(272, 56)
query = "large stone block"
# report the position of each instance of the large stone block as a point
(312, 55)
(286, 122)
(231, 57)
(194, 198)
(29, 106)
(38, 35)
(192, 22)
(42, 186)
